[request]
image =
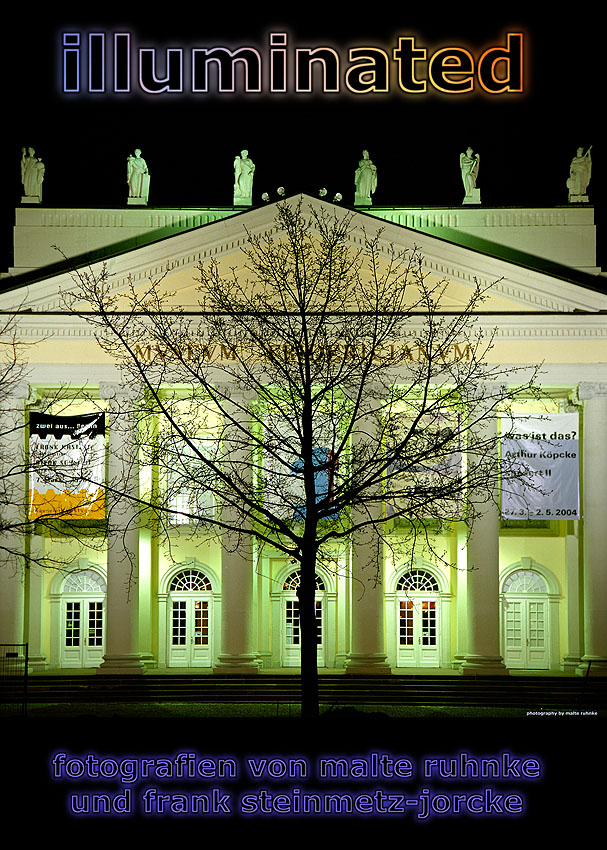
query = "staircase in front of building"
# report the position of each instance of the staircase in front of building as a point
(533, 693)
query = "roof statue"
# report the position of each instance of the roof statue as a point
(365, 181)
(244, 168)
(138, 178)
(469, 163)
(32, 175)
(579, 176)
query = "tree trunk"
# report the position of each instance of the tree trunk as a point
(306, 594)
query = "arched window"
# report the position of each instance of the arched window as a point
(417, 581)
(85, 581)
(525, 581)
(293, 581)
(190, 580)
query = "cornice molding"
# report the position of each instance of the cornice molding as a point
(226, 236)
(564, 327)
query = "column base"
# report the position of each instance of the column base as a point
(570, 664)
(367, 664)
(121, 665)
(247, 664)
(37, 662)
(592, 665)
(483, 665)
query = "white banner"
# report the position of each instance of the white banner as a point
(67, 466)
(545, 450)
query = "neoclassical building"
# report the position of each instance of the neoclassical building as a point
(539, 600)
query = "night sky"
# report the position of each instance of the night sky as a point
(304, 142)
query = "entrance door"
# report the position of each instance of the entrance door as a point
(418, 626)
(83, 620)
(525, 621)
(291, 632)
(189, 641)
(189, 630)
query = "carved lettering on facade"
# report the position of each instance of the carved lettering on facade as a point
(221, 352)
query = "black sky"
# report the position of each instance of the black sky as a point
(300, 142)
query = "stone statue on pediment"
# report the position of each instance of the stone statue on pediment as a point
(32, 175)
(469, 163)
(138, 178)
(579, 176)
(244, 168)
(365, 181)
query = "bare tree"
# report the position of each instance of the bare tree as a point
(313, 394)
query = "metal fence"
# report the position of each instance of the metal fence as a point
(13, 679)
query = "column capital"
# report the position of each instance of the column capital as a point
(240, 395)
(485, 391)
(587, 390)
(116, 391)
(19, 390)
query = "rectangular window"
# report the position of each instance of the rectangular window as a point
(95, 637)
(324, 478)
(72, 624)
(189, 481)
(292, 634)
(284, 465)
(179, 623)
(424, 475)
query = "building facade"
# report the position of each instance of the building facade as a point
(518, 594)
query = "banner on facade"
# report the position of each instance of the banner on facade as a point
(67, 466)
(540, 462)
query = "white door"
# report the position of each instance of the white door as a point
(418, 632)
(82, 630)
(418, 626)
(189, 631)
(82, 626)
(525, 632)
(291, 637)
(290, 640)
(525, 622)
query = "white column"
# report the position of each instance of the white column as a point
(571, 658)
(461, 641)
(483, 655)
(122, 654)
(594, 508)
(368, 641)
(13, 515)
(368, 653)
(35, 636)
(237, 652)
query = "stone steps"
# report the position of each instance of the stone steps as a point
(528, 692)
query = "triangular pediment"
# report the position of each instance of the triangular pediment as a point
(512, 286)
